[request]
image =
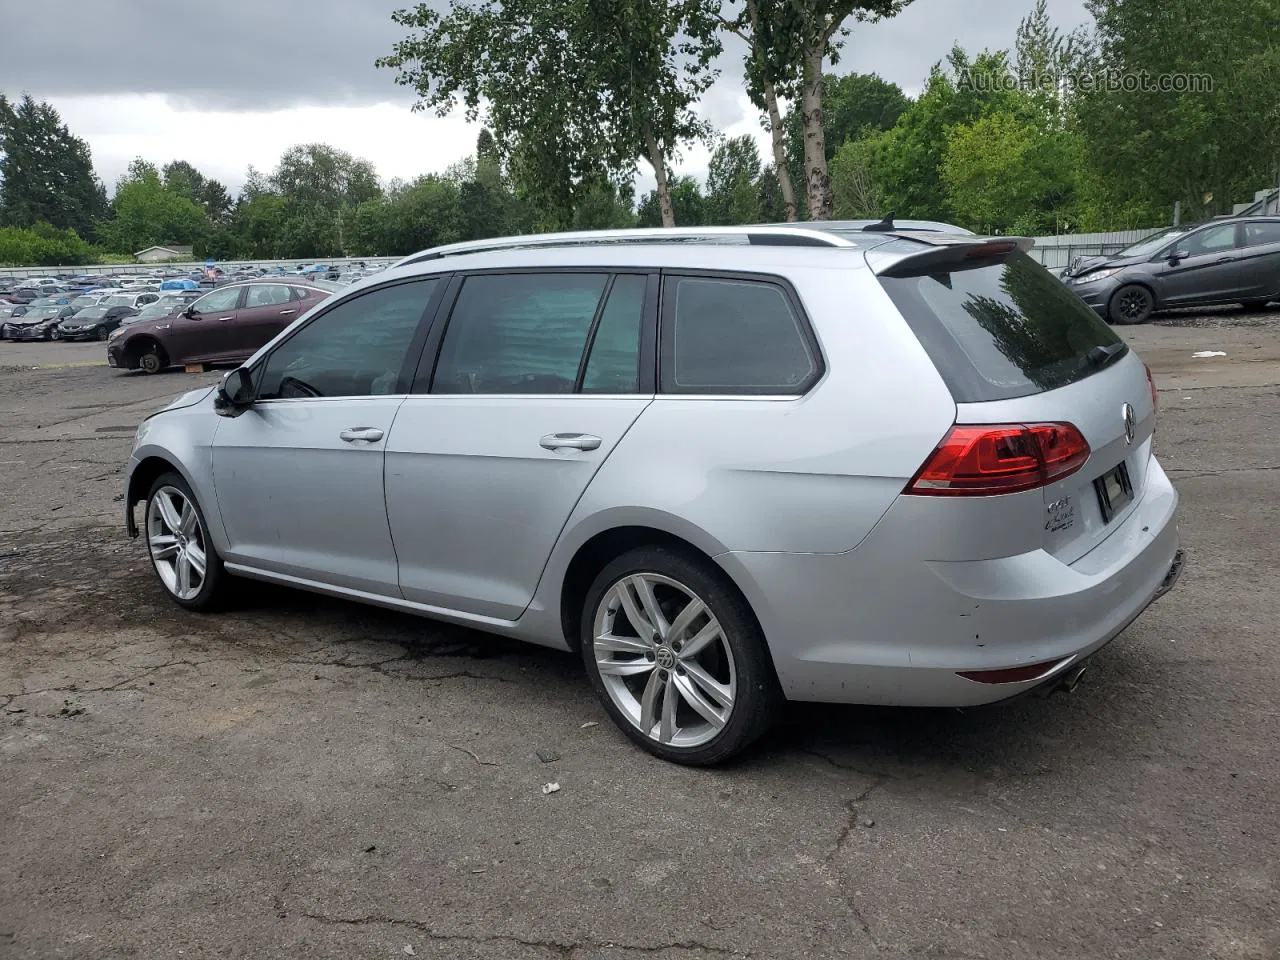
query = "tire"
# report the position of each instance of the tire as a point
(1132, 303)
(153, 360)
(639, 680)
(100, 333)
(1254, 306)
(56, 334)
(175, 527)
(48, 334)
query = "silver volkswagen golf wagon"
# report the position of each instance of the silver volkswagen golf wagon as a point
(729, 466)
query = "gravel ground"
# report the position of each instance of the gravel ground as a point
(304, 777)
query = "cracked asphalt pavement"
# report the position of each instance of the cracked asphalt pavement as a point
(309, 778)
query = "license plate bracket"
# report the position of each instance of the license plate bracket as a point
(1115, 491)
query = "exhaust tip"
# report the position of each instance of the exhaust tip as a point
(1171, 578)
(1070, 680)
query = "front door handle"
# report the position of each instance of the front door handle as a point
(354, 434)
(225, 319)
(285, 313)
(1224, 260)
(574, 441)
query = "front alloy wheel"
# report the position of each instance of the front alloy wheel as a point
(181, 553)
(677, 657)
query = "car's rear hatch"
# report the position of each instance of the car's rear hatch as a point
(1016, 348)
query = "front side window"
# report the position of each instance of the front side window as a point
(724, 336)
(219, 301)
(356, 349)
(518, 333)
(1214, 240)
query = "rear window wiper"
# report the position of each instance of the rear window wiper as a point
(1100, 356)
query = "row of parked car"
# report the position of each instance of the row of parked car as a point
(104, 308)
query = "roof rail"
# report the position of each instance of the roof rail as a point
(755, 235)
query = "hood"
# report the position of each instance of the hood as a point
(188, 399)
(155, 325)
(1082, 265)
(29, 321)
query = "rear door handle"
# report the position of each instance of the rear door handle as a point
(574, 441)
(1225, 259)
(285, 313)
(225, 319)
(354, 434)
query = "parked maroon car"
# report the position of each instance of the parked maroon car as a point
(226, 325)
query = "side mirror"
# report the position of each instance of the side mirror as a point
(235, 393)
(1178, 255)
(189, 313)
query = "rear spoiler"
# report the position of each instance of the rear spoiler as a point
(943, 252)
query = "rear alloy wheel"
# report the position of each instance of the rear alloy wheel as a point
(677, 657)
(183, 557)
(57, 334)
(153, 360)
(1131, 304)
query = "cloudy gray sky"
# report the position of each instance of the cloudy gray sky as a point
(235, 82)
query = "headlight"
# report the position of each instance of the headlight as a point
(117, 332)
(1098, 275)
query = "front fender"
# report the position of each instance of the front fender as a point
(180, 439)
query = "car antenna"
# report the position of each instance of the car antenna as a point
(882, 226)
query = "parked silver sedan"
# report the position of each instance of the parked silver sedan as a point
(728, 466)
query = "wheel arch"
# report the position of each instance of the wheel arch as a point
(150, 467)
(598, 550)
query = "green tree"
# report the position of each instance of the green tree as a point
(807, 33)
(1205, 148)
(770, 73)
(686, 199)
(855, 106)
(1007, 173)
(145, 212)
(857, 194)
(182, 177)
(322, 187)
(905, 163)
(46, 174)
(42, 245)
(733, 188)
(573, 89)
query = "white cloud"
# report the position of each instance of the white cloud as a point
(223, 144)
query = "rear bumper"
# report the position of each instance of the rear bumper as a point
(878, 626)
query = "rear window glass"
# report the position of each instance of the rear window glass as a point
(1002, 330)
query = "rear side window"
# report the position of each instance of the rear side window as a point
(1256, 234)
(518, 333)
(731, 336)
(1000, 330)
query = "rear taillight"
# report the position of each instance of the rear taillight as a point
(1155, 394)
(975, 461)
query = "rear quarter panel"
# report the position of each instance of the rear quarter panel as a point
(806, 475)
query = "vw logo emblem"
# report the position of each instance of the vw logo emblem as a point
(666, 659)
(1130, 423)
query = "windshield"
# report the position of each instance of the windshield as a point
(91, 313)
(1151, 244)
(1001, 330)
(83, 302)
(42, 313)
(118, 301)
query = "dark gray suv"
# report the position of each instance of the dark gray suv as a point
(1222, 261)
